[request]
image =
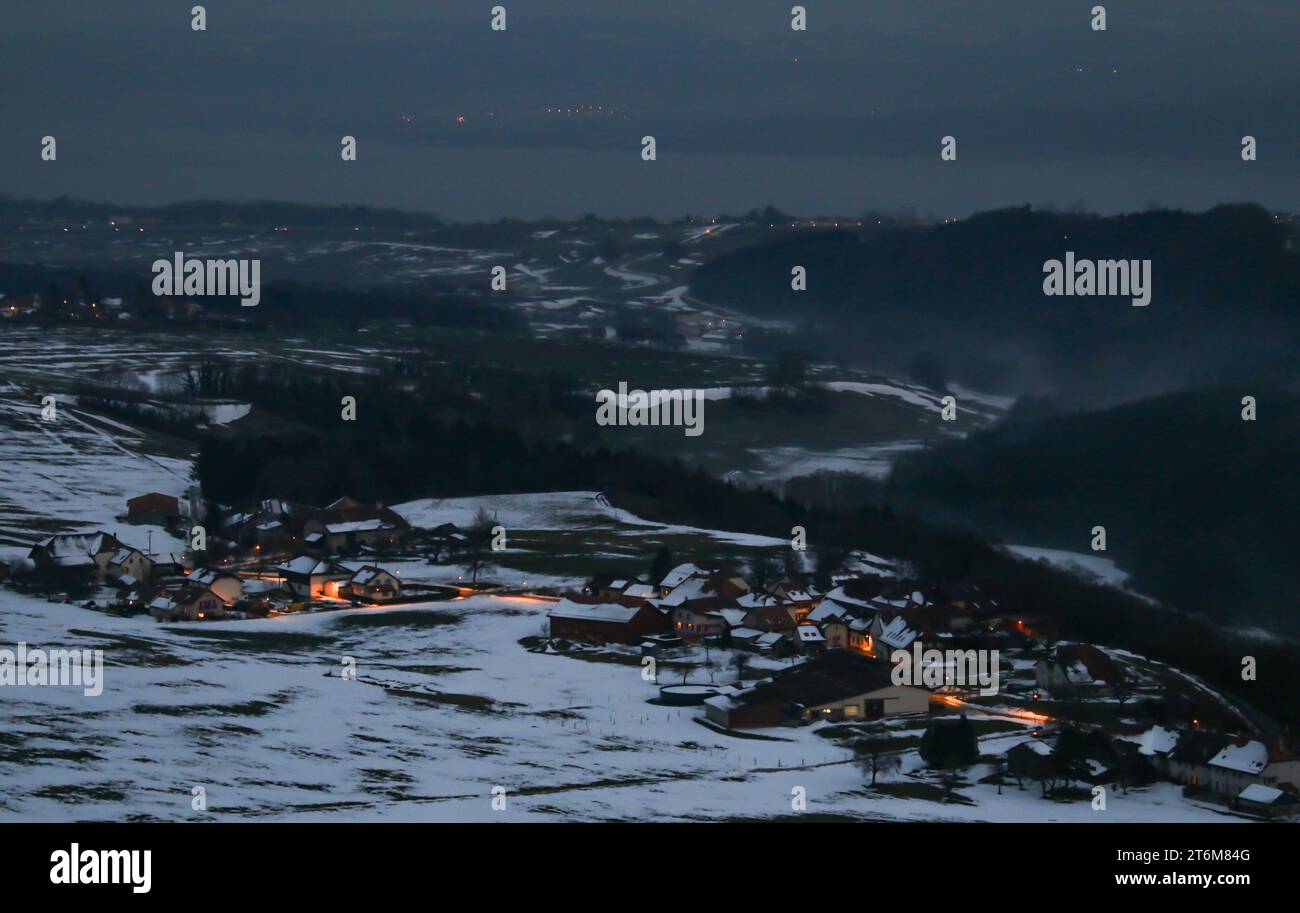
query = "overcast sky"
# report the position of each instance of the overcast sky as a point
(841, 118)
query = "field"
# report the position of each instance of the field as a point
(447, 705)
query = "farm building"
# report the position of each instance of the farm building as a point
(604, 622)
(837, 686)
(86, 552)
(154, 508)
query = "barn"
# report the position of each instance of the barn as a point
(604, 622)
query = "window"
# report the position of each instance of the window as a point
(851, 710)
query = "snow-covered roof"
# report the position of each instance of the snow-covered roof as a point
(691, 588)
(733, 617)
(746, 633)
(1250, 758)
(639, 591)
(303, 564)
(122, 554)
(604, 611)
(306, 564)
(75, 549)
(1258, 792)
(897, 634)
(358, 526)
(1037, 746)
(838, 595)
(724, 702)
(368, 574)
(1155, 741)
(209, 575)
(678, 574)
(810, 635)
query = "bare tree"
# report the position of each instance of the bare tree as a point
(762, 568)
(478, 542)
(877, 756)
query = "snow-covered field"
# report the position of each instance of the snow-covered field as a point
(446, 706)
(75, 472)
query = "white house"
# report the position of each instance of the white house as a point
(375, 584)
(128, 562)
(229, 587)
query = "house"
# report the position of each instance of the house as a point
(639, 592)
(677, 576)
(810, 640)
(604, 622)
(693, 624)
(837, 686)
(347, 525)
(190, 603)
(1078, 667)
(22, 306)
(229, 587)
(777, 618)
(154, 508)
(374, 584)
(1248, 761)
(308, 577)
(836, 632)
(886, 633)
(85, 553)
(137, 596)
(1029, 760)
(1154, 744)
(745, 638)
(1266, 802)
(742, 710)
(773, 643)
(128, 562)
(1189, 761)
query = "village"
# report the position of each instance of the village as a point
(751, 650)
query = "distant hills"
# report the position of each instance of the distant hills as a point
(258, 214)
(965, 300)
(1201, 507)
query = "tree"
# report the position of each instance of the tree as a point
(999, 772)
(828, 559)
(662, 564)
(479, 542)
(762, 568)
(877, 756)
(740, 662)
(1123, 689)
(788, 371)
(950, 743)
(792, 564)
(950, 780)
